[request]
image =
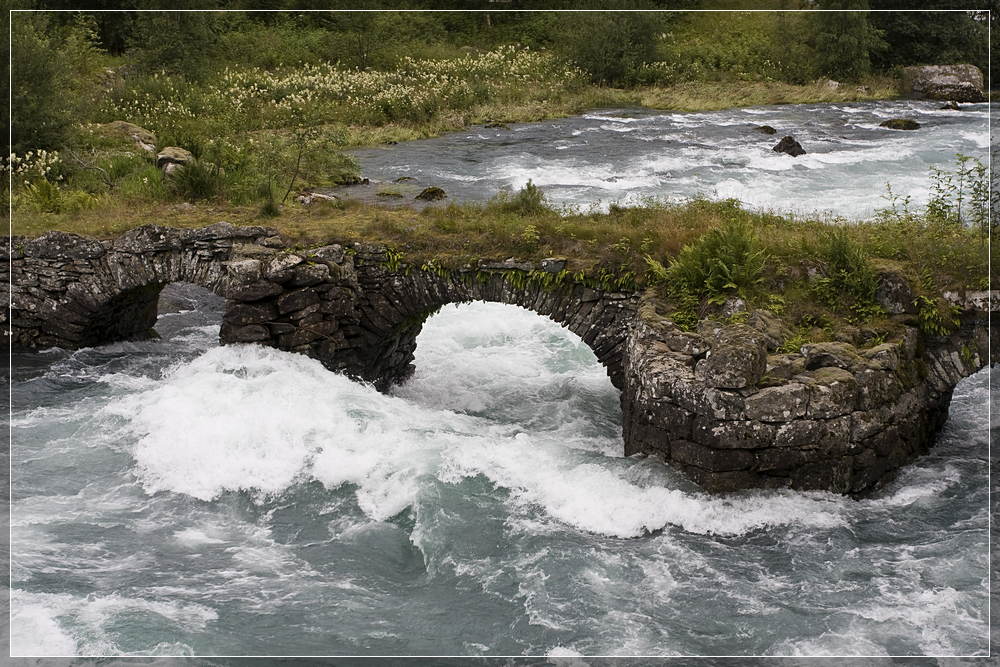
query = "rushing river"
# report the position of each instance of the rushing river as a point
(174, 497)
(626, 155)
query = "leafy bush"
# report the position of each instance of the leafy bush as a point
(850, 279)
(937, 317)
(529, 200)
(728, 260)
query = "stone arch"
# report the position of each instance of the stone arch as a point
(393, 305)
(72, 291)
(833, 417)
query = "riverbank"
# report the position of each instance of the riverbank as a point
(683, 97)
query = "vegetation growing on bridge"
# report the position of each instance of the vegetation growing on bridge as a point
(267, 102)
(698, 253)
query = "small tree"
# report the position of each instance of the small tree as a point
(845, 39)
(39, 112)
(609, 46)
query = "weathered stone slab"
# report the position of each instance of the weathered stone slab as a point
(255, 291)
(54, 244)
(778, 404)
(833, 392)
(738, 358)
(801, 433)
(252, 333)
(279, 269)
(707, 458)
(836, 355)
(297, 300)
(744, 434)
(305, 275)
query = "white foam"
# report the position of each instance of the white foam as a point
(599, 176)
(192, 537)
(980, 139)
(34, 628)
(47, 624)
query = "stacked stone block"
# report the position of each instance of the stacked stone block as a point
(831, 417)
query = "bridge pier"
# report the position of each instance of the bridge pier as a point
(714, 404)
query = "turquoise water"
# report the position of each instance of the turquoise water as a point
(177, 498)
(627, 155)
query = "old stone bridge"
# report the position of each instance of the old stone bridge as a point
(713, 404)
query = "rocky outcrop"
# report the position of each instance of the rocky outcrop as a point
(172, 157)
(789, 146)
(961, 83)
(141, 137)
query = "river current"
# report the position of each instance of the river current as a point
(176, 498)
(627, 155)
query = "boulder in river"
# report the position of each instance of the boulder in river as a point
(790, 146)
(431, 194)
(900, 124)
(952, 105)
(766, 129)
(962, 83)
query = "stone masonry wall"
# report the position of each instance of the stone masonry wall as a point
(829, 417)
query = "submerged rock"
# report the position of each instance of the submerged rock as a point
(900, 124)
(789, 146)
(766, 129)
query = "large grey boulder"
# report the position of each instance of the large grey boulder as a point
(961, 83)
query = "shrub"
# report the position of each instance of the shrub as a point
(850, 279)
(195, 180)
(529, 200)
(728, 260)
(39, 111)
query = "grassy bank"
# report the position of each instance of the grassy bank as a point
(260, 136)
